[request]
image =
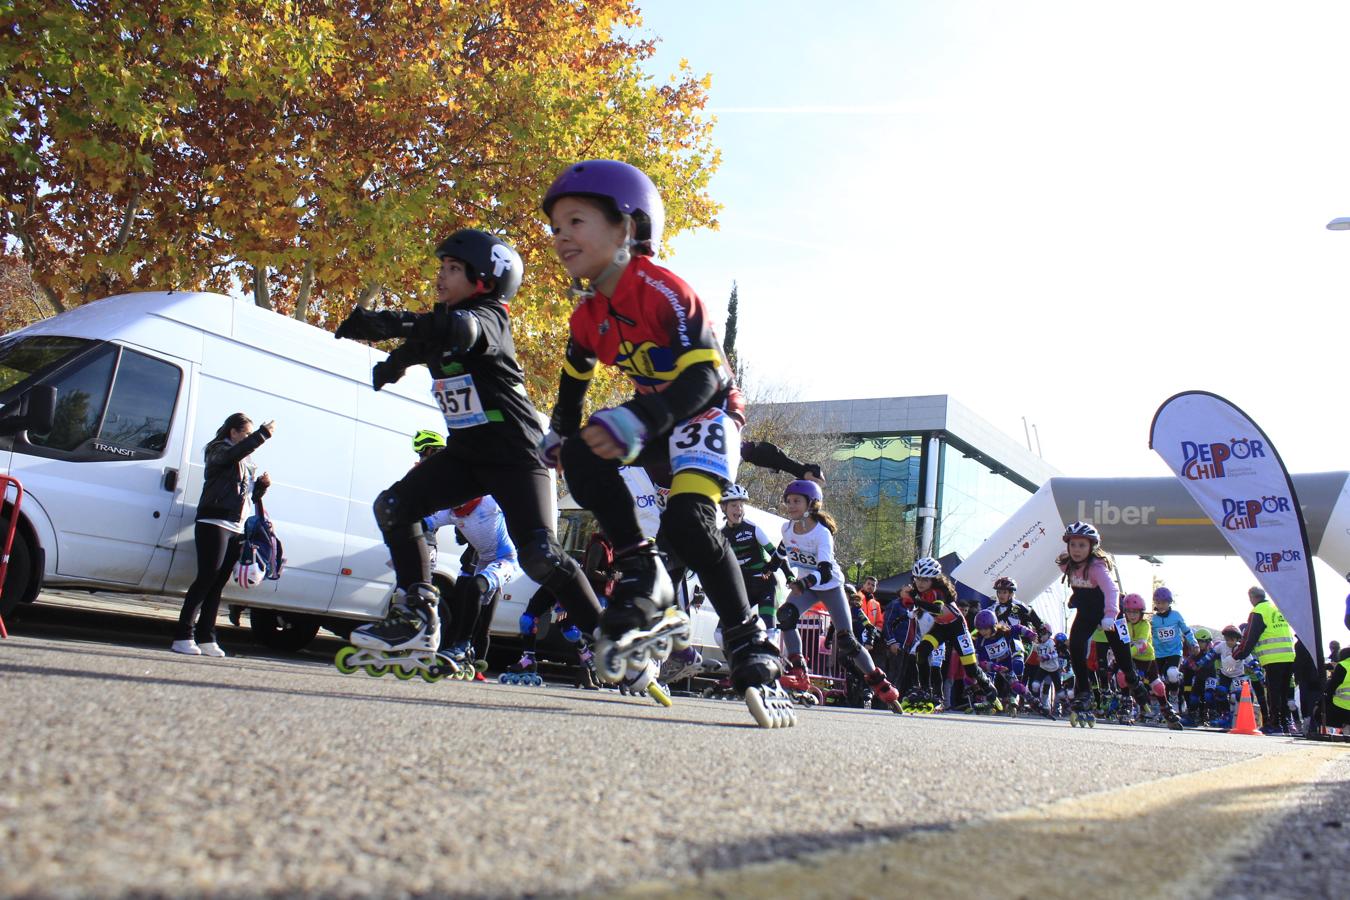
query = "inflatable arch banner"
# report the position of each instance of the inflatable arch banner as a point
(1233, 472)
(1141, 516)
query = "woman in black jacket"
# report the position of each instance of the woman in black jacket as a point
(220, 529)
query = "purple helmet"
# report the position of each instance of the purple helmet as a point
(1162, 594)
(625, 186)
(985, 619)
(808, 489)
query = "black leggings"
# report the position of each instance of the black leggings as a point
(1085, 622)
(523, 491)
(688, 524)
(217, 552)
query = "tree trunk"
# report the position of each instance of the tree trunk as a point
(367, 295)
(260, 294)
(306, 285)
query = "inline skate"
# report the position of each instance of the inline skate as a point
(525, 671)
(1083, 713)
(755, 669)
(644, 681)
(796, 680)
(641, 622)
(681, 664)
(1142, 696)
(404, 642)
(883, 690)
(920, 702)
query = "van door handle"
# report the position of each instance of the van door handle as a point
(170, 480)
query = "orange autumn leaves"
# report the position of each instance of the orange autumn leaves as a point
(192, 144)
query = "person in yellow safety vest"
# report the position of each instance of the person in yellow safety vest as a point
(1338, 692)
(1271, 640)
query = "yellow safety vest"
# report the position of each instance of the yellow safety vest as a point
(1342, 696)
(1277, 638)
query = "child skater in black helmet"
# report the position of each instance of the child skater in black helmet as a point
(494, 430)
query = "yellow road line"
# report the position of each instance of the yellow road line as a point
(1167, 521)
(1072, 848)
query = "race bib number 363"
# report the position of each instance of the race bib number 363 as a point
(709, 442)
(458, 399)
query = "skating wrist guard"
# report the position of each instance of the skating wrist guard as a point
(550, 449)
(624, 428)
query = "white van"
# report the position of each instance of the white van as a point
(142, 382)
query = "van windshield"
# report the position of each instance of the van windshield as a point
(22, 358)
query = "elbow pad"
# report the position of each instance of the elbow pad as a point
(825, 571)
(453, 331)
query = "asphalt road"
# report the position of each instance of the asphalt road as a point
(128, 770)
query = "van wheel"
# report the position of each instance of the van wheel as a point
(19, 576)
(282, 630)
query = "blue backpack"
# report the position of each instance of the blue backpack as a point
(262, 556)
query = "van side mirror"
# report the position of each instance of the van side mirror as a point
(36, 412)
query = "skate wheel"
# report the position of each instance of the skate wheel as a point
(535, 681)
(402, 673)
(660, 648)
(609, 665)
(429, 676)
(340, 660)
(375, 671)
(658, 693)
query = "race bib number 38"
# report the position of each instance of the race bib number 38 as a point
(709, 442)
(458, 400)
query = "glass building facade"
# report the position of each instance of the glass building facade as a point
(923, 473)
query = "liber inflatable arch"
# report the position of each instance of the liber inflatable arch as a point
(1140, 516)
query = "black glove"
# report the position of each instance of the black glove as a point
(385, 372)
(364, 325)
(813, 469)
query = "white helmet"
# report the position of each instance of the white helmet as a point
(926, 567)
(734, 492)
(249, 574)
(1082, 530)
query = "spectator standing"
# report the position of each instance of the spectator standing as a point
(219, 532)
(1270, 639)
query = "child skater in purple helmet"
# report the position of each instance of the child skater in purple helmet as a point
(682, 425)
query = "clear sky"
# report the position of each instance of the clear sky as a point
(1065, 211)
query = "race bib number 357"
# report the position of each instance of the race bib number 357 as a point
(709, 442)
(458, 399)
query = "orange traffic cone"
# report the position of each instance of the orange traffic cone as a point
(1245, 722)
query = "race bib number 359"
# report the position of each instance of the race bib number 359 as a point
(709, 442)
(458, 399)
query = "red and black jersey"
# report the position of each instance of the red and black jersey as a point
(658, 331)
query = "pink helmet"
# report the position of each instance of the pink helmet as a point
(1132, 601)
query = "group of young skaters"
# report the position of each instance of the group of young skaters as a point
(682, 425)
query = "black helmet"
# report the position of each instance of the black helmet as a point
(485, 256)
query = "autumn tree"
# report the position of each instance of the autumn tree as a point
(315, 152)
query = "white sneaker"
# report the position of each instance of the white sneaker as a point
(188, 647)
(211, 649)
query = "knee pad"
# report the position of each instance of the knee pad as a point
(573, 634)
(1121, 681)
(1159, 688)
(848, 645)
(689, 528)
(1018, 667)
(392, 516)
(788, 617)
(543, 559)
(528, 624)
(1173, 675)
